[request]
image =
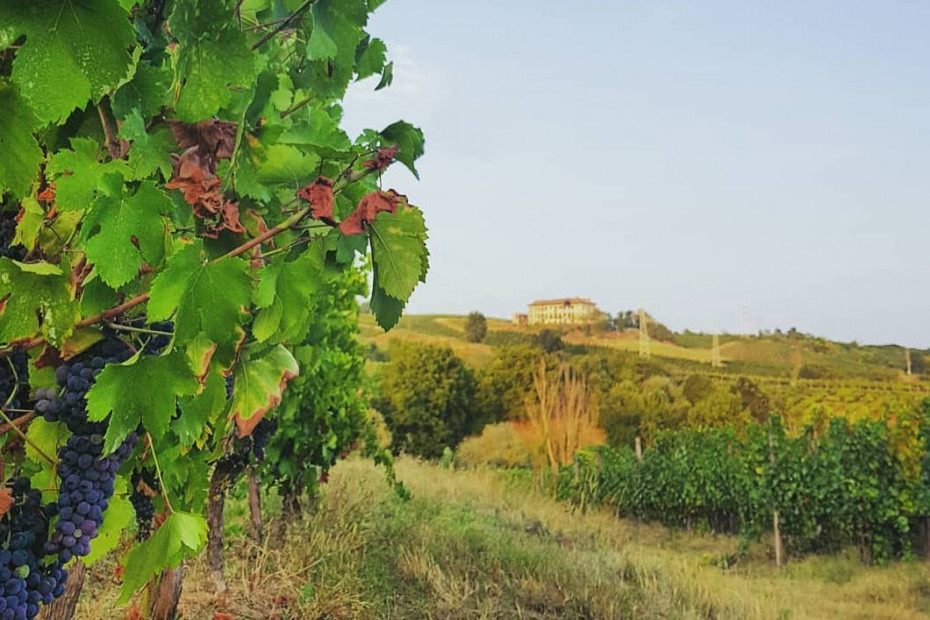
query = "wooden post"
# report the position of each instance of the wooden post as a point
(216, 502)
(63, 608)
(639, 448)
(165, 594)
(776, 528)
(255, 507)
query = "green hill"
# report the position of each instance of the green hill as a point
(789, 355)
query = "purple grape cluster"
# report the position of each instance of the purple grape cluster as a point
(75, 379)
(25, 581)
(86, 474)
(14, 381)
(141, 502)
(7, 249)
(260, 436)
(87, 478)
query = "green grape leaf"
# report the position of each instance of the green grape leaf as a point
(28, 291)
(127, 230)
(74, 52)
(199, 410)
(387, 309)
(79, 173)
(259, 385)
(317, 127)
(281, 163)
(149, 153)
(208, 296)
(182, 535)
(30, 223)
(148, 91)
(398, 250)
(213, 56)
(409, 141)
(200, 351)
(142, 390)
(46, 436)
(19, 165)
(336, 28)
(370, 58)
(284, 296)
(387, 76)
(348, 246)
(120, 515)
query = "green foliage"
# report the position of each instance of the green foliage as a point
(850, 484)
(323, 412)
(550, 341)
(506, 383)
(697, 387)
(427, 398)
(476, 327)
(183, 161)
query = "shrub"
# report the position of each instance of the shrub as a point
(476, 327)
(427, 397)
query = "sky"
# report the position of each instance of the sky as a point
(728, 166)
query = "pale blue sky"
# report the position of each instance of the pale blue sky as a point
(693, 157)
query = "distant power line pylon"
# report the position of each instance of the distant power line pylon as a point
(645, 349)
(715, 360)
(747, 323)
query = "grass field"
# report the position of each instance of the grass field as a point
(482, 544)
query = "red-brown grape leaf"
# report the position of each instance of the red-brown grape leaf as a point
(383, 158)
(368, 208)
(320, 196)
(6, 500)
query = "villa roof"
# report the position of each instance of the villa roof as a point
(562, 301)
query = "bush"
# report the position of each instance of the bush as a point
(427, 397)
(476, 327)
(550, 341)
(507, 381)
(498, 445)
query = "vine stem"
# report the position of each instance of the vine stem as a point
(112, 143)
(14, 427)
(268, 234)
(20, 421)
(300, 11)
(161, 480)
(137, 330)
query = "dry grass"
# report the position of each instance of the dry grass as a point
(425, 330)
(630, 342)
(480, 544)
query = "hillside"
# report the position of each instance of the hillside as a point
(778, 356)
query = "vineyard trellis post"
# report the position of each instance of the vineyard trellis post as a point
(776, 528)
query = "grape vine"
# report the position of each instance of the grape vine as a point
(178, 201)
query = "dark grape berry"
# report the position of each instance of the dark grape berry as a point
(87, 480)
(7, 232)
(76, 377)
(158, 342)
(26, 581)
(260, 436)
(142, 501)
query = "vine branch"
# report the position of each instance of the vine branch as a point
(300, 11)
(11, 425)
(161, 480)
